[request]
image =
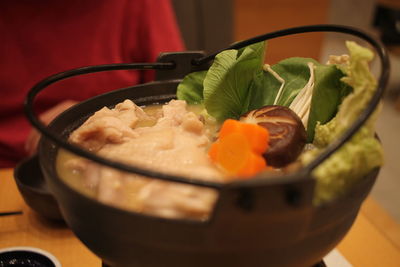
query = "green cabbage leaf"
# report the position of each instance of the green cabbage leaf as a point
(363, 152)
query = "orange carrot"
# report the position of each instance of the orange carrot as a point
(229, 127)
(258, 136)
(239, 148)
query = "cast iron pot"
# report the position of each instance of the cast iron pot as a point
(266, 221)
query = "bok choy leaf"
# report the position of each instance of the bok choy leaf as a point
(236, 83)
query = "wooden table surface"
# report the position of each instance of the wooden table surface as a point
(373, 241)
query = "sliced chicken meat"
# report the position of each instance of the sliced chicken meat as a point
(176, 144)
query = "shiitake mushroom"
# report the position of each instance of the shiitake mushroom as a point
(287, 133)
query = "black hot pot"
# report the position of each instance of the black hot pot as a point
(258, 222)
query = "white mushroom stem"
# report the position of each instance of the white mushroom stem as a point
(268, 68)
(302, 103)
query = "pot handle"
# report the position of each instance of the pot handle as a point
(183, 62)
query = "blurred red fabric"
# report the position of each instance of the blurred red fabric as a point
(40, 38)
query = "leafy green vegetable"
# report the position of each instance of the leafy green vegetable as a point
(328, 93)
(363, 152)
(191, 88)
(265, 86)
(227, 82)
(236, 83)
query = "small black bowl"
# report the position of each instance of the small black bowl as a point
(33, 188)
(27, 257)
